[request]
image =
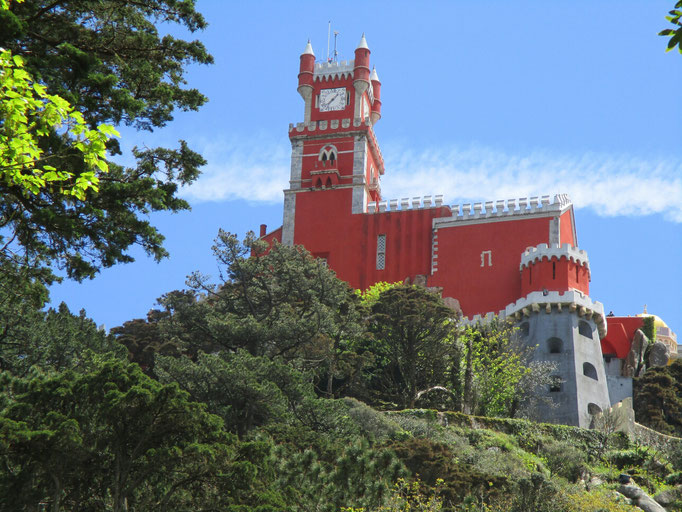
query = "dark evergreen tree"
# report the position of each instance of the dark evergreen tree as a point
(109, 61)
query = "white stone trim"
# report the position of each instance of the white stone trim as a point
(333, 70)
(359, 199)
(289, 217)
(417, 203)
(296, 164)
(515, 209)
(533, 254)
(536, 302)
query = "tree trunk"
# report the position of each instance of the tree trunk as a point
(467, 406)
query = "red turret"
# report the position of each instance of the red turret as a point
(361, 69)
(305, 78)
(376, 91)
(554, 269)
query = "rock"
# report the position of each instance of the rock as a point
(640, 498)
(594, 482)
(635, 355)
(659, 354)
(453, 304)
(666, 498)
(419, 280)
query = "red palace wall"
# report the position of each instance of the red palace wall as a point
(621, 331)
(325, 226)
(482, 289)
(567, 229)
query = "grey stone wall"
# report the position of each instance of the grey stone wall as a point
(557, 338)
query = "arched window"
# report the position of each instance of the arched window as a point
(318, 183)
(555, 345)
(585, 329)
(593, 409)
(328, 154)
(590, 371)
(329, 182)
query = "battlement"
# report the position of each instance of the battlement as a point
(327, 127)
(417, 203)
(537, 302)
(505, 208)
(332, 124)
(333, 70)
(533, 254)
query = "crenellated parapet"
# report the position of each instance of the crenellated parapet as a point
(567, 251)
(333, 70)
(509, 207)
(416, 203)
(545, 303)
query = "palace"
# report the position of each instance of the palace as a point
(514, 258)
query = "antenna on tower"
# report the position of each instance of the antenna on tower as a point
(329, 31)
(336, 34)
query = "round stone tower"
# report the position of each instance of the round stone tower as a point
(559, 319)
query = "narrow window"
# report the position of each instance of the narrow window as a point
(585, 329)
(593, 409)
(324, 156)
(317, 101)
(554, 270)
(530, 275)
(332, 156)
(381, 252)
(577, 275)
(590, 371)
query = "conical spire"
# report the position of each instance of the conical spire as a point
(363, 43)
(308, 49)
(374, 77)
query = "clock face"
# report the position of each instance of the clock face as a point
(332, 99)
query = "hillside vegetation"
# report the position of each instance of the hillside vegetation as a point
(279, 388)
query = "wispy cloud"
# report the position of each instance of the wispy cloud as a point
(253, 169)
(608, 184)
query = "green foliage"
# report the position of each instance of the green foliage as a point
(29, 114)
(85, 66)
(359, 476)
(108, 438)
(657, 398)
(497, 377)
(53, 340)
(251, 391)
(414, 337)
(649, 328)
(675, 34)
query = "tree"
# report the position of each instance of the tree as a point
(109, 62)
(52, 340)
(498, 378)
(29, 116)
(414, 332)
(674, 34)
(276, 302)
(108, 439)
(656, 399)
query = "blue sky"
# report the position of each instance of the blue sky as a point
(482, 100)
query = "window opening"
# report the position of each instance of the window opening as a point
(530, 275)
(585, 329)
(381, 252)
(555, 384)
(554, 270)
(593, 409)
(555, 345)
(577, 275)
(590, 371)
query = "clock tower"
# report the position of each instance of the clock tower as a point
(336, 163)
